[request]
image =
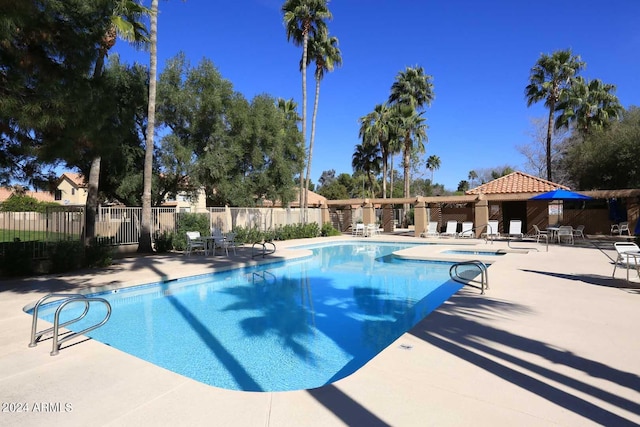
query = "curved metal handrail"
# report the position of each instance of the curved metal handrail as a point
(484, 274)
(56, 322)
(35, 336)
(265, 251)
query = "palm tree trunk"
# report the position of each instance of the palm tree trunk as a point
(91, 206)
(144, 242)
(384, 174)
(303, 193)
(311, 140)
(406, 166)
(549, 133)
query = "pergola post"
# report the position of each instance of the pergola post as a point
(420, 218)
(481, 212)
(368, 212)
(325, 215)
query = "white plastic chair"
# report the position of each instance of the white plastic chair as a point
(372, 230)
(357, 229)
(625, 259)
(195, 242)
(565, 232)
(515, 228)
(225, 242)
(539, 233)
(467, 229)
(621, 228)
(452, 229)
(578, 232)
(432, 230)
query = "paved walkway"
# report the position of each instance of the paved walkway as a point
(555, 341)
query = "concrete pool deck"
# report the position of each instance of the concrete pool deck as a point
(554, 341)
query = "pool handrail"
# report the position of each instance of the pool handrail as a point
(484, 274)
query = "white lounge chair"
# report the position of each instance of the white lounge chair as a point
(625, 259)
(195, 243)
(467, 229)
(432, 230)
(515, 228)
(452, 229)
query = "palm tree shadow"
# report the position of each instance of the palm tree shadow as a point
(454, 328)
(593, 279)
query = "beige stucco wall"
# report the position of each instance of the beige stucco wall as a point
(70, 195)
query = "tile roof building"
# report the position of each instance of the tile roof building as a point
(516, 182)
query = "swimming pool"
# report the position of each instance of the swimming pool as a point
(284, 326)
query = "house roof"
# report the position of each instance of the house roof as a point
(42, 196)
(75, 178)
(516, 182)
(313, 199)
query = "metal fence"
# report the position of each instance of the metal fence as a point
(121, 225)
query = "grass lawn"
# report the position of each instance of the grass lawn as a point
(33, 235)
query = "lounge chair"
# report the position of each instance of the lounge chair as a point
(621, 228)
(515, 228)
(578, 232)
(565, 232)
(492, 230)
(625, 259)
(432, 230)
(195, 242)
(539, 233)
(467, 229)
(452, 229)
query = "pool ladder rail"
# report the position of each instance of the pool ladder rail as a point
(267, 248)
(65, 300)
(482, 270)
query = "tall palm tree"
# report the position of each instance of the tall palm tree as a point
(588, 104)
(411, 92)
(125, 24)
(326, 54)
(367, 158)
(375, 129)
(473, 175)
(303, 18)
(550, 77)
(144, 244)
(433, 164)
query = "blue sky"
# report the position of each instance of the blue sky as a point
(478, 52)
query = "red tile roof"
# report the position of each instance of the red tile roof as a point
(76, 178)
(516, 182)
(41, 196)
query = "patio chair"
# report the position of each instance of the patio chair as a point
(621, 228)
(195, 243)
(467, 229)
(357, 229)
(372, 230)
(565, 232)
(578, 232)
(432, 230)
(452, 229)
(225, 242)
(539, 233)
(515, 228)
(625, 257)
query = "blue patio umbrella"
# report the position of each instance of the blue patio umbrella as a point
(561, 194)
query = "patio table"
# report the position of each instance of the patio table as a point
(553, 231)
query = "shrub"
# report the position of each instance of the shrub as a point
(190, 222)
(99, 253)
(164, 241)
(328, 230)
(65, 255)
(15, 258)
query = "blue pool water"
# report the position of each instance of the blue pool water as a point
(285, 326)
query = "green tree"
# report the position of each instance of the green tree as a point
(549, 78)
(48, 50)
(463, 186)
(324, 51)
(367, 159)
(375, 130)
(433, 164)
(473, 175)
(411, 92)
(302, 19)
(607, 158)
(589, 105)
